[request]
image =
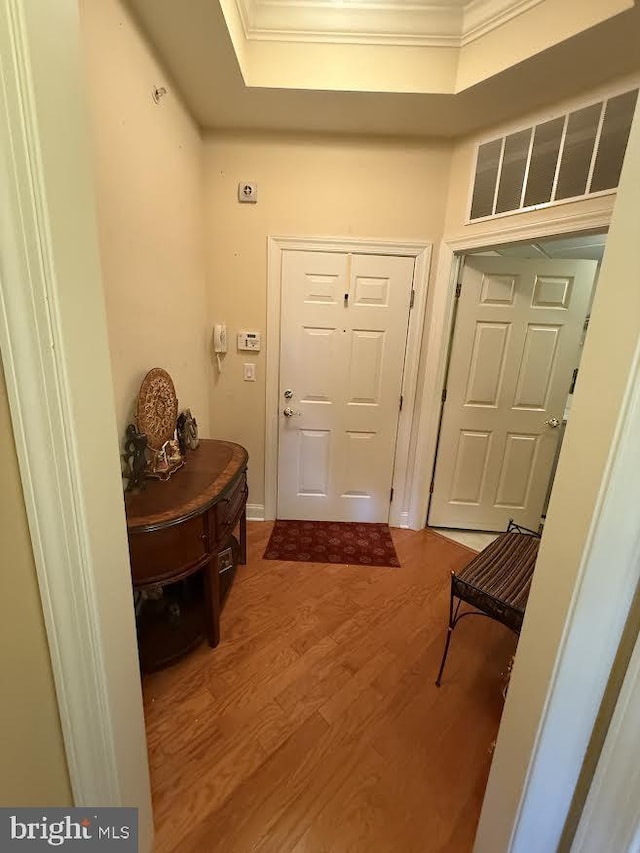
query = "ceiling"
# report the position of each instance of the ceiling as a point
(416, 22)
(589, 247)
(194, 45)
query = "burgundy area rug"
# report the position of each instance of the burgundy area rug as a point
(332, 542)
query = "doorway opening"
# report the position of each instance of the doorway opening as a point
(517, 334)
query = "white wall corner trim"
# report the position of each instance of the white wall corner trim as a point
(610, 817)
(401, 512)
(63, 417)
(607, 574)
(35, 373)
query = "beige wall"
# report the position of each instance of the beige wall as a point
(307, 186)
(34, 767)
(574, 515)
(148, 171)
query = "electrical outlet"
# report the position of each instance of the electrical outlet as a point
(249, 372)
(247, 192)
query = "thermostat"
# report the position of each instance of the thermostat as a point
(247, 192)
(249, 341)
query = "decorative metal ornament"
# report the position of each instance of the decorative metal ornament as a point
(135, 446)
(157, 408)
(187, 430)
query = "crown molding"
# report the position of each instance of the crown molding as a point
(416, 24)
(372, 23)
(483, 16)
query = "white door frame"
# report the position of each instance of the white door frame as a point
(398, 511)
(610, 819)
(53, 339)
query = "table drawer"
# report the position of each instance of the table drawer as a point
(167, 552)
(228, 509)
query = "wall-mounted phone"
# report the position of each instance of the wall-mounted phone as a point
(220, 337)
(220, 343)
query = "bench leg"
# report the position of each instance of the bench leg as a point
(452, 624)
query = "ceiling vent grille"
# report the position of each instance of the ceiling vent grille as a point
(566, 158)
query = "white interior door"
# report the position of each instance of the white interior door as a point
(516, 343)
(343, 333)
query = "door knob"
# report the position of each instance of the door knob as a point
(289, 413)
(288, 394)
(554, 423)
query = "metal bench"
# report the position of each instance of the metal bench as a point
(496, 582)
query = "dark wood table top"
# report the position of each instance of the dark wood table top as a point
(207, 473)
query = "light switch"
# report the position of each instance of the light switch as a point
(249, 372)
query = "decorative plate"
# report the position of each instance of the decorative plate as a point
(157, 408)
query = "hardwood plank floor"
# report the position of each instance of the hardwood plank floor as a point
(315, 726)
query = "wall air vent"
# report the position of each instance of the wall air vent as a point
(566, 158)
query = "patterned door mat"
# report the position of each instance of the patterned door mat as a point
(353, 543)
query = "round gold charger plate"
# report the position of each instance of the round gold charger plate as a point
(157, 408)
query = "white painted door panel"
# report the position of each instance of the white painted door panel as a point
(343, 334)
(516, 343)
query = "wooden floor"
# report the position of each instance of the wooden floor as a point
(315, 726)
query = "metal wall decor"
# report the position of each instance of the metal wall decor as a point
(156, 414)
(157, 408)
(135, 458)
(156, 444)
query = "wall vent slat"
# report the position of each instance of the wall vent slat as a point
(578, 152)
(488, 164)
(514, 163)
(613, 141)
(544, 158)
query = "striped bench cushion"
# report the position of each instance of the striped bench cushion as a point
(498, 580)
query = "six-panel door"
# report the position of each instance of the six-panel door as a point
(343, 334)
(515, 346)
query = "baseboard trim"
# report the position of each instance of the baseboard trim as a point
(255, 512)
(403, 520)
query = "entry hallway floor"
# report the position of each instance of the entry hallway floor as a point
(315, 726)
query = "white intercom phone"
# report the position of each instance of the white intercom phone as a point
(220, 337)
(220, 343)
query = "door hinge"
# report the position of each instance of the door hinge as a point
(431, 487)
(444, 395)
(401, 401)
(458, 289)
(574, 379)
(413, 297)
(391, 495)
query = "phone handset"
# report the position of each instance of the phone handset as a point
(220, 342)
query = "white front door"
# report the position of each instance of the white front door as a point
(515, 346)
(343, 334)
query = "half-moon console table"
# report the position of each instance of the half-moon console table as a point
(183, 551)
